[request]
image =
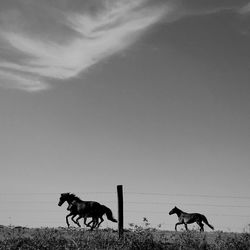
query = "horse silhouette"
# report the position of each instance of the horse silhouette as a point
(188, 218)
(95, 219)
(85, 209)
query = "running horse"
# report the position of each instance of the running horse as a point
(188, 218)
(95, 220)
(72, 207)
(85, 209)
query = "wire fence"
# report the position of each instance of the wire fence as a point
(42, 207)
(10, 198)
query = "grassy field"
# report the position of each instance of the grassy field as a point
(134, 238)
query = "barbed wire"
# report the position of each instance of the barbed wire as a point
(165, 212)
(126, 210)
(139, 203)
(186, 204)
(191, 195)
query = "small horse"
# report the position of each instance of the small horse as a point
(186, 218)
(85, 209)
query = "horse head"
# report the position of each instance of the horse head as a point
(63, 198)
(173, 211)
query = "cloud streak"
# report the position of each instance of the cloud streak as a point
(62, 41)
(45, 40)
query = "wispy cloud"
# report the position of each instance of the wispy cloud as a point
(44, 40)
(60, 41)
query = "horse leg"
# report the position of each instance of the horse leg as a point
(97, 222)
(72, 218)
(89, 224)
(201, 226)
(93, 224)
(77, 221)
(100, 222)
(67, 220)
(85, 222)
(178, 223)
(92, 221)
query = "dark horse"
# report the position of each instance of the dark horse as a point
(95, 220)
(85, 209)
(186, 218)
(72, 207)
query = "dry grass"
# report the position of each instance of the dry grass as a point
(134, 238)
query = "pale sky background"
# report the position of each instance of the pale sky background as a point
(150, 94)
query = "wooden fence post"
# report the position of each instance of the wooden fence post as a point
(120, 210)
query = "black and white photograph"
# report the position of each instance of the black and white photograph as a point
(125, 124)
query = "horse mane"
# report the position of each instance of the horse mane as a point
(178, 209)
(74, 197)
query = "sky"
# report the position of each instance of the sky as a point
(149, 94)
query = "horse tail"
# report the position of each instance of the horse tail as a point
(108, 213)
(206, 222)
